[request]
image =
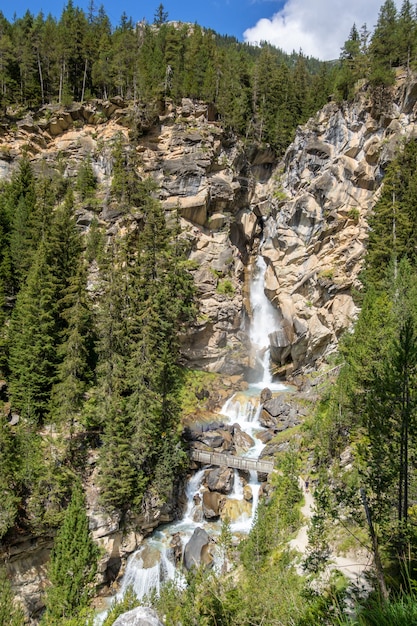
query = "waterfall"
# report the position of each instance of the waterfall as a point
(237, 493)
(264, 320)
(149, 566)
(193, 489)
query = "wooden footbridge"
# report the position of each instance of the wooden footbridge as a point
(227, 460)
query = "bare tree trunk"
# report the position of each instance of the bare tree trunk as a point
(84, 80)
(61, 82)
(40, 77)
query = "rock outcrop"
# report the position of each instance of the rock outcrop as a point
(26, 563)
(316, 237)
(312, 209)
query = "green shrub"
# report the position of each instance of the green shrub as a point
(225, 287)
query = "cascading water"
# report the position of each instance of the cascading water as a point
(264, 320)
(149, 566)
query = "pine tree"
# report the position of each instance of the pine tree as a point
(349, 71)
(384, 46)
(390, 413)
(77, 355)
(73, 564)
(86, 180)
(407, 34)
(20, 205)
(10, 613)
(33, 340)
(122, 477)
(158, 275)
(161, 16)
(138, 353)
(393, 224)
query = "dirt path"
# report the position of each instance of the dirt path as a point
(354, 567)
(300, 542)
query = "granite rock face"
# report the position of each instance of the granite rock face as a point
(316, 237)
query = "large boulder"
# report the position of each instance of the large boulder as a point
(242, 441)
(220, 479)
(140, 616)
(197, 551)
(213, 503)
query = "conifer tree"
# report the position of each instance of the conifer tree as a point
(77, 356)
(389, 412)
(139, 378)
(73, 564)
(117, 470)
(20, 203)
(64, 244)
(393, 224)
(10, 613)
(6, 280)
(384, 46)
(161, 16)
(407, 34)
(86, 180)
(348, 73)
(158, 278)
(33, 340)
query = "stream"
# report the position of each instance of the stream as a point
(152, 564)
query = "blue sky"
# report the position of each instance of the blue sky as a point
(229, 17)
(317, 27)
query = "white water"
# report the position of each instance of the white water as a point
(150, 578)
(150, 566)
(264, 320)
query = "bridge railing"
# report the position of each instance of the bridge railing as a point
(238, 462)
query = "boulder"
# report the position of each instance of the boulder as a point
(410, 97)
(176, 547)
(220, 479)
(265, 436)
(242, 441)
(266, 394)
(212, 504)
(213, 439)
(277, 407)
(205, 280)
(196, 551)
(140, 616)
(247, 493)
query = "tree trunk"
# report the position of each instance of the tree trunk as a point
(40, 77)
(61, 82)
(84, 80)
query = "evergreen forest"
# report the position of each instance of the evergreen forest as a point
(90, 326)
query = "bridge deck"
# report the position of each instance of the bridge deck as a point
(238, 462)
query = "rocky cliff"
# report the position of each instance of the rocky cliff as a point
(310, 210)
(306, 215)
(316, 238)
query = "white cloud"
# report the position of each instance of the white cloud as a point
(318, 27)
